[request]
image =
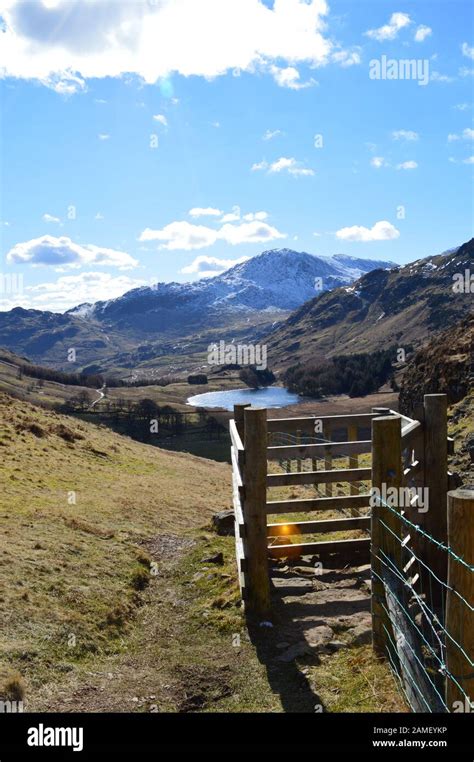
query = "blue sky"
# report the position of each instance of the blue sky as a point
(158, 140)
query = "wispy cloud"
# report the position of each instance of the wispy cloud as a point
(186, 236)
(407, 165)
(378, 162)
(284, 164)
(206, 211)
(270, 134)
(381, 231)
(422, 32)
(409, 135)
(390, 31)
(161, 119)
(466, 134)
(467, 51)
(65, 254)
(206, 266)
(290, 77)
(69, 290)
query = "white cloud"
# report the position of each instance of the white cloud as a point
(469, 160)
(381, 231)
(462, 106)
(65, 254)
(390, 31)
(378, 162)
(207, 211)
(255, 216)
(186, 236)
(467, 134)
(64, 45)
(207, 266)
(435, 76)
(284, 164)
(50, 218)
(103, 136)
(405, 135)
(71, 290)
(232, 216)
(465, 71)
(407, 165)
(422, 32)
(290, 77)
(161, 119)
(270, 134)
(99, 216)
(346, 58)
(467, 50)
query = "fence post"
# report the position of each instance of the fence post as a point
(386, 473)
(459, 617)
(434, 521)
(239, 418)
(254, 509)
(327, 457)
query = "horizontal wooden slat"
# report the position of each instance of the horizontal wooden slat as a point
(235, 436)
(317, 527)
(317, 504)
(306, 423)
(241, 566)
(324, 548)
(403, 417)
(238, 512)
(409, 430)
(319, 477)
(313, 450)
(236, 466)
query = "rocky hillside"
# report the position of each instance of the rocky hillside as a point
(401, 306)
(445, 365)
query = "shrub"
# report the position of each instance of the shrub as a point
(13, 688)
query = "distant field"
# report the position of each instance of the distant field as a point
(53, 393)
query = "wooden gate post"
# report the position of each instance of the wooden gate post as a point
(386, 473)
(255, 516)
(434, 521)
(459, 617)
(239, 418)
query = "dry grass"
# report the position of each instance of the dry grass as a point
(105, 602)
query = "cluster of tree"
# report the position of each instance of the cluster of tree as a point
(355, 375)
(198, 378)
(145, 420)
(89, 380)
(255, 378)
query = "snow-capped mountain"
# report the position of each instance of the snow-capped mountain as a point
(278, 279)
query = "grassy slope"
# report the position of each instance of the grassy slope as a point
(84, 622)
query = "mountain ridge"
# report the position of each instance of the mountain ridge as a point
(403, 305)
(162, 320)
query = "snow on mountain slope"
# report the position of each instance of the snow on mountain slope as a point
(280, 279)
